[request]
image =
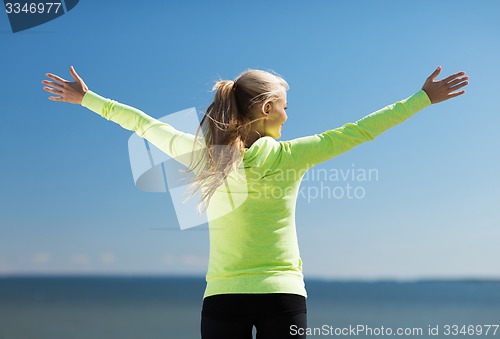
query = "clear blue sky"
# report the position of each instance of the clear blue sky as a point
(68, 203)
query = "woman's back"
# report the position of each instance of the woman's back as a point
(253, 241)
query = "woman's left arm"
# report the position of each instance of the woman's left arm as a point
(171, 141)
(66, 91)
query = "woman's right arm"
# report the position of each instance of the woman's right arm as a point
(309, 151)
(314, 149)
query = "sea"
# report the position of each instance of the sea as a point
(138, 307)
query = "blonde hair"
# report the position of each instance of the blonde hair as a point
(227, 123)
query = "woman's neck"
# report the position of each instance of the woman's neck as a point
(251, 138)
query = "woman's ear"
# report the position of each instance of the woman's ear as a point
(267, 108)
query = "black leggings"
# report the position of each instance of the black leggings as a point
(274, 315)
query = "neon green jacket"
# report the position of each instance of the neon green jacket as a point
(253, 240)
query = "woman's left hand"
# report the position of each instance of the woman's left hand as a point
(71, 92)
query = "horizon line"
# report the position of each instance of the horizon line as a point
(76, 275)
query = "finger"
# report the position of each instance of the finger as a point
(51, 90)
(456, 94)
(435, 73)
(463, 84)
(457, 81)
(56, 78)
(453, 76)
(55, 98)
(52, 83)
(74, 74)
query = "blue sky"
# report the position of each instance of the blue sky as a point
(68, 200)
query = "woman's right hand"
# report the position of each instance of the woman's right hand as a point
(446, 88)
(72, 92)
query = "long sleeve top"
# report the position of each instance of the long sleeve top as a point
(253, 239)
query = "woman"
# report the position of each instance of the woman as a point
(255, 272)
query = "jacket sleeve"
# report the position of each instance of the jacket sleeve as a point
(169, 140)
(306, 152)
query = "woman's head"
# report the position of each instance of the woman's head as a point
(244, 109)
(261, 100)
(247, 108)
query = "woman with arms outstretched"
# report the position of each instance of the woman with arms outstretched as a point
(254, 274)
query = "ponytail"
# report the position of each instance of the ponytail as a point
(227, 123)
